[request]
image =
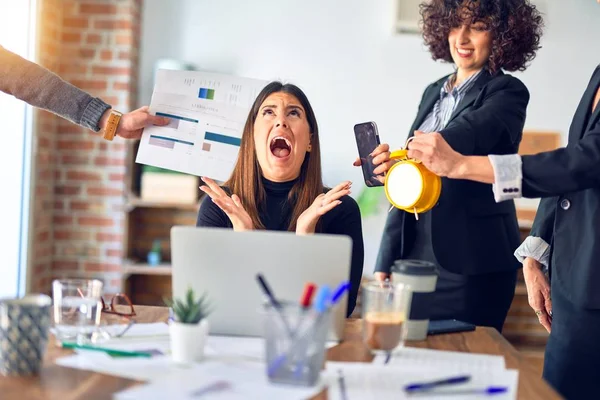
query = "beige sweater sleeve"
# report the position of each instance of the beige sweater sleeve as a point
(42, 88)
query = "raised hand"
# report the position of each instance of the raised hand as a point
(231, 206)
(307, 221)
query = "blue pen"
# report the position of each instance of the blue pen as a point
(319, 306)
(430, 385)
(339, 292)
(486, 391)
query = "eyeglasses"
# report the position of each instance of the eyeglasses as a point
(121, 301)
(117, 316)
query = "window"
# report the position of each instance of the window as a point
(16, 34)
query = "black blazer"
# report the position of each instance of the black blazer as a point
(569, 216)
(471, 233)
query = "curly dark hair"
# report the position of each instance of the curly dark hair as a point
(515, 26)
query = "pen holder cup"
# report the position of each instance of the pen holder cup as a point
(295, 343)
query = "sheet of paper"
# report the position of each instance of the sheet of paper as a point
(152, 329)
(218, 348)
(251, 348)
(456, 360)
(208, 112)
(383, 382)
(240, 381)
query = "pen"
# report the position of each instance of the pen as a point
(309, 290)
(274, 302)
(430, 385)
(110, 352)
(265, 288)
(342, 384)
(211, 388)
(305, 301)
(339, 292)
(491, 391)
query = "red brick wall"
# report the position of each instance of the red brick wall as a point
(49, 31)
(94, 45)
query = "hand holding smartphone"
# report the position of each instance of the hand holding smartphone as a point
(367, 139)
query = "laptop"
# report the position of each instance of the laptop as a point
(224, 264)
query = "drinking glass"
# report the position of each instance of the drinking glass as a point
(77, 309)
(385, 309)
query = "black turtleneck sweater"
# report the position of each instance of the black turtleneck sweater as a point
(342, 220)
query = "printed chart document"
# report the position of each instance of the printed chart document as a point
(208, 112)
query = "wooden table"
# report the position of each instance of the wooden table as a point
(55, 382)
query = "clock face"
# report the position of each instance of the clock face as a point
(404, 185)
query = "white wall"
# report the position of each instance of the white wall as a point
(352, 67)
(345, 56)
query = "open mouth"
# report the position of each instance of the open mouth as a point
(280, 147)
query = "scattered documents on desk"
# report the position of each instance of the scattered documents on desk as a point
(155, 338)
(218, 380)
(387, 382)
(452, 360)
(208, 112)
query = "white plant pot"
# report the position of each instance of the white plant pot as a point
(187, 341)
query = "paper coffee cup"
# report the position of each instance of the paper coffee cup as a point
(421, 276)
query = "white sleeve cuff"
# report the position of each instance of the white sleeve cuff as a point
(536, 248)
(508, 176)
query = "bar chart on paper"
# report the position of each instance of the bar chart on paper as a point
(182, 132)
(207, 115)
(233, 90)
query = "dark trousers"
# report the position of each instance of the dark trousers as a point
(482, 300)
(572, 359)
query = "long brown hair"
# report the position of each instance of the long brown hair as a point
(245, 180)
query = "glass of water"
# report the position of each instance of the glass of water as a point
(77, 309)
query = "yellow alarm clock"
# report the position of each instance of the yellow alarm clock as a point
(410, 186)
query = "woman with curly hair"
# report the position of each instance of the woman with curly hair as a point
(564, 238)
(479, 110)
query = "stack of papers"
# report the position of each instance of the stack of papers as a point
(237, 362)
(411, 365)
(236, 366)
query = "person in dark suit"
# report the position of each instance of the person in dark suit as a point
(479, 110)
(567, 229)
(565, 236)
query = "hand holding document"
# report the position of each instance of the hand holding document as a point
(207, 114)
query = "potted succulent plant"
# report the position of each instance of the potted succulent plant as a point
(189, 329)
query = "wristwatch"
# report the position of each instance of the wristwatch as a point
(111, 125)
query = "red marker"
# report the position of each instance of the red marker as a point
(307, 294)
